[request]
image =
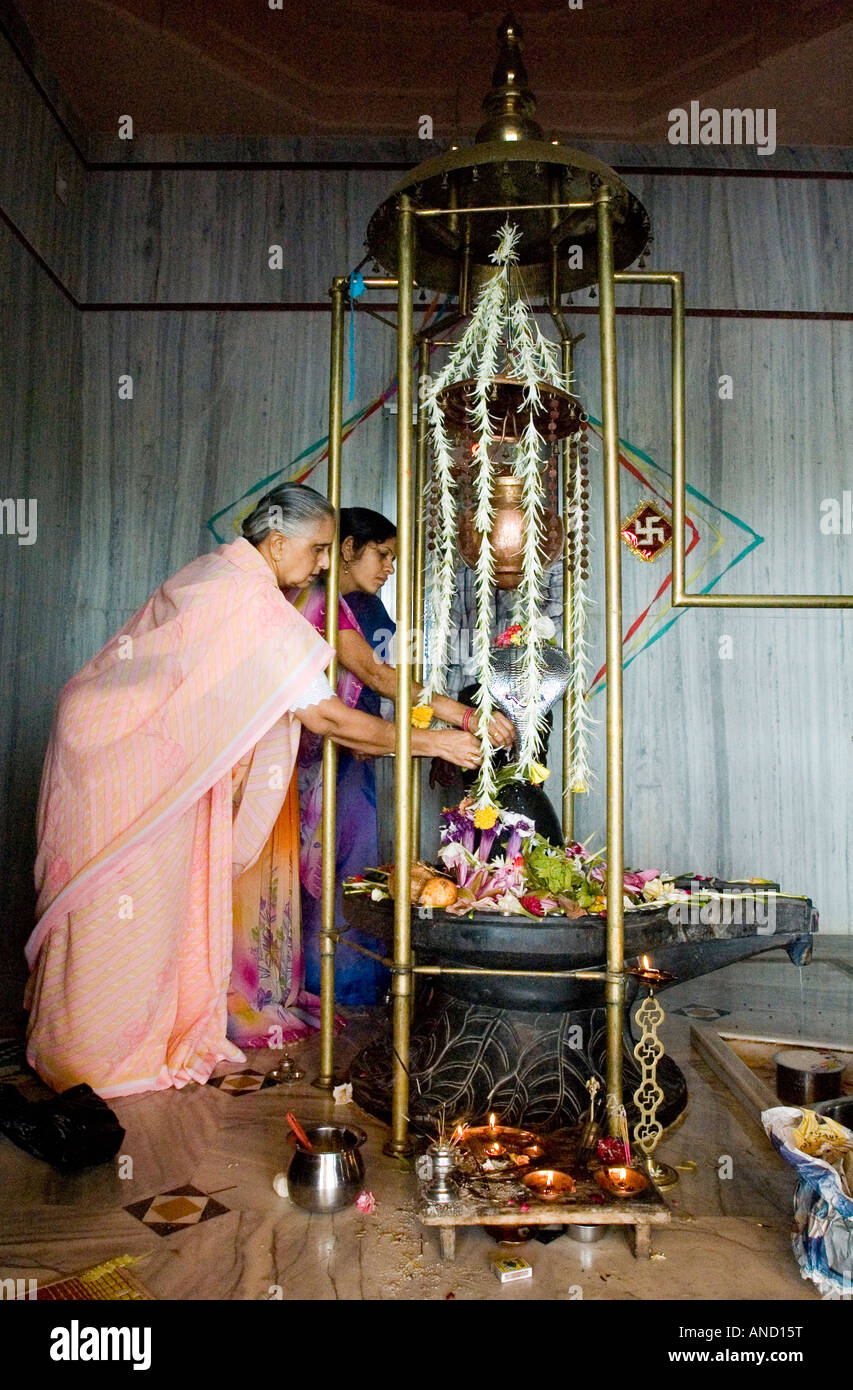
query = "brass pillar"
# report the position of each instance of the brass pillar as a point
(568, 798)
(401, 980)
(678, 431)
(420, 571)
(324, 1080)
(615, 986)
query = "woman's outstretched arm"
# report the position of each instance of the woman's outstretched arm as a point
(366, 734)
(358, 656)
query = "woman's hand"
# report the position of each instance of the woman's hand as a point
(455, 747)
(501, 730)
(367, 735)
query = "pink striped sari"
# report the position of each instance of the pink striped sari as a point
(138, 840)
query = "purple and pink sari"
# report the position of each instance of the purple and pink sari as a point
(358, 979)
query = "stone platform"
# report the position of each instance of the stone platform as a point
(524, 1046)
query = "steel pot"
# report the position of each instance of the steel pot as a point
(840, 1109)
(804, 1075)
(587, 1235)
(332, 1175)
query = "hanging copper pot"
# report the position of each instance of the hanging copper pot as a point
(507, 533)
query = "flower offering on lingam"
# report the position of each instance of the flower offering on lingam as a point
(501, 864)
(493, 860)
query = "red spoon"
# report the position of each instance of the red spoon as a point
(299, 1132)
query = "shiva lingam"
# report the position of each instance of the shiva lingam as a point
(525, 1046)
(524, 798)
(648, 1052)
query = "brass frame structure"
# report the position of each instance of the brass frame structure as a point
(411, 477)
(680, 598)
(324, 1080)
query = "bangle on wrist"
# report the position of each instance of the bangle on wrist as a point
(466, 718)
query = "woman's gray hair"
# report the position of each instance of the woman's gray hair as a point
(291, 509)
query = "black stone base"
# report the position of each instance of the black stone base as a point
(469, 1059)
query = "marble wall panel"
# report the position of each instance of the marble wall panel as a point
(40, 626)
(33, 151)
(739, 764)
(190, 235)
(220, 400)
(182, 149)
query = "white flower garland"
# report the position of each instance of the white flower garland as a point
(459, 364)
(533, 359)
(499, 318)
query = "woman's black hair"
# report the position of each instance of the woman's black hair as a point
(364, 526)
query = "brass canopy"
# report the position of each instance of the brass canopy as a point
(509, 165)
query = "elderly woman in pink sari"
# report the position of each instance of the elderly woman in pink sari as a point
(168, 932)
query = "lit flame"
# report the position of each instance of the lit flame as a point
(646, 963)
(620, 1174)
(492, 1122)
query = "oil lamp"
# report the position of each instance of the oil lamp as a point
(648, 975)
(648, 1053)
(622, 1182)
(549, 1184)
(494, 1148)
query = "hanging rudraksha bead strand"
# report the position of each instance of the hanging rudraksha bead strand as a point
(577, 509)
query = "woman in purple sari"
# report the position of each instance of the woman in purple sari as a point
(368, 552)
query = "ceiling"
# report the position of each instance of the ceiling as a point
(610, 70)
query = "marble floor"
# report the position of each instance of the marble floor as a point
(199, 1208)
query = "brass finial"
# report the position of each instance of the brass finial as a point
(510, 105)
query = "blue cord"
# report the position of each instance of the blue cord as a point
(356, 290)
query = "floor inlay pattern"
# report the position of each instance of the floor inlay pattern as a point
(173, 1211)
(243, 1083)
